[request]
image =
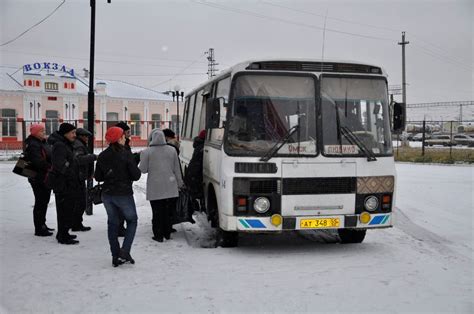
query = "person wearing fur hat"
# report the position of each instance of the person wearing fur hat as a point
(85, 161)
(64, 180)
(38, 153)
(117, 169)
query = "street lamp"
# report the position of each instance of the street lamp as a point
(90, 106)
(177, 93)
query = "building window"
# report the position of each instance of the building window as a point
(8, 122)
(135, 125)
(65, 85)
(30, 83)
(52, 121)
(174, 123)
(24, 82)
(156, 118)
(112, 119)
(51, 87)
(72, 85)
(37, 83)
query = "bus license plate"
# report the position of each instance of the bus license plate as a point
(319, 223)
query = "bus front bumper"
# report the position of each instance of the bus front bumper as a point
(264, 224)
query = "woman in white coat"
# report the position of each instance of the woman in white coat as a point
(164, 180)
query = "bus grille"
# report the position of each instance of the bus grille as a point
(308, 186)
(249, 186)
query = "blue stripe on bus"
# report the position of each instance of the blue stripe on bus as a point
(242, 221)
(376, 220)
(255, 223)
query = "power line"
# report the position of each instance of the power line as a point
(261, 16)
(30, 28)
(179, 73)
(148, 75)
(100, 60)
(441, 52)
(329, 18)
(442, 58)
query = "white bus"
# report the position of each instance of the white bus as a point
(295, 145)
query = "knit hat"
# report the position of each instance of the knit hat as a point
(81, 131)
(202, 134)
(169, 133)
(66, 128)
(36, 128)
(113, 134)
(123, 126)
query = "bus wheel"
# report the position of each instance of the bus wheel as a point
(228, 238)
(351, 235)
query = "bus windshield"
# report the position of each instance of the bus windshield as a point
(359, 105)
(264, 108)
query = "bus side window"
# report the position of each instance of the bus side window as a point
(189, 116)
(184, 118)
(197, 115)
(222, 90)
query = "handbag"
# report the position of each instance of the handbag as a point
(24, 168)
(96, 194)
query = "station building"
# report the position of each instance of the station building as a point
(52, 93)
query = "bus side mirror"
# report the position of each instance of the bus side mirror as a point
(399, 117)
(213, 112)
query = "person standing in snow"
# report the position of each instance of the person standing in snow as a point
(64, 180)
(85, 161)
(164, 180)
(171, 139)
(38, 153)
(194, 174)
(136, 156)
(117, 169)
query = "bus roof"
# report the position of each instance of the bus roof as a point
(299, 65)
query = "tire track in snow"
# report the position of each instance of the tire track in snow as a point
(421, 234)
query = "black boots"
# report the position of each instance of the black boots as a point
(158, 239)
(126, 256)
(67, 241)
(117, 261)
(43, 233)
(81, 228)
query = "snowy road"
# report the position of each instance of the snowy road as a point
(423, 264)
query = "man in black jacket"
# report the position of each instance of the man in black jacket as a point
(85, 161)
(38, 153)
(64, 179)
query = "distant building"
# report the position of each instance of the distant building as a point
(52, 93)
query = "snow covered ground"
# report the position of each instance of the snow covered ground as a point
(423, 264)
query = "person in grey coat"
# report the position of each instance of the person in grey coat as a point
(164, 180)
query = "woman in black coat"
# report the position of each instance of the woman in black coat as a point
(38, 153)
(117, 169)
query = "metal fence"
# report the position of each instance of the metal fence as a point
(15, 131)
(437, 134)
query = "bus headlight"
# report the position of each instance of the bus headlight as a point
(261, 205)
(371, 203)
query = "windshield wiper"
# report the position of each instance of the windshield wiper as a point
(354, 140)
(272, 151)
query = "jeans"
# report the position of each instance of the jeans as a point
(42, 196)
(115, 206)
(162, 214)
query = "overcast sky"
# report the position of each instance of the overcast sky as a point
(148, 42)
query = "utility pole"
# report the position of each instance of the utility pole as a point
(177, 93)
(404, 83)
(211, 64)
(91, 106)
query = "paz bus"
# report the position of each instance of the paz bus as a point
(295, 145)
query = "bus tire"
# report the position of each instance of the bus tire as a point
(228, 238)
(351, 235)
